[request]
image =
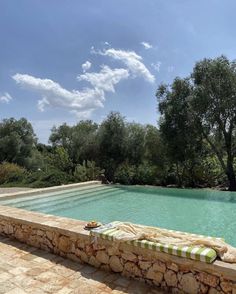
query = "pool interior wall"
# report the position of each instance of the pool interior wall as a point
(206, 212)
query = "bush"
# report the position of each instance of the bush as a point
(53, 177)
(87, 171)
(143, 174)
(11, 172)
(125, 174)
(146, 175)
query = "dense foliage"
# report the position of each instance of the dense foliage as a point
(198, 116)
(194, 144)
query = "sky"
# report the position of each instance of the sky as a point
(68, 60)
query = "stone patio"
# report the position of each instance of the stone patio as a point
(25, 269)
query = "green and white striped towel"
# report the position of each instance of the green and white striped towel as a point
(208, 255)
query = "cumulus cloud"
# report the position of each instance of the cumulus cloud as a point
(146, 45)
(86, 66)
(106, 79)
(132, 60)
(83, 102)
(53, 94)
(156, 66)
(5, 98)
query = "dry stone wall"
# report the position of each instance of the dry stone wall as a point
(173, 274)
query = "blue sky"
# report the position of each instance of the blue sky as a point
(127, 48)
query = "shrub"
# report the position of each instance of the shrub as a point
(125, 174)
(143, 174)
(146, 174)
(52, 177)
(11, 172)
(87, 171)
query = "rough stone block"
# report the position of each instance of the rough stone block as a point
(154, 275)
(189, 284)
(145, 265)
(159, 266)
(115, 264)
(64, 244)
(132, 268)
(129, 256)
(170, 278)
(208, 279)
(102, 257)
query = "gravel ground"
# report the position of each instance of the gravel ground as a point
(13, 190)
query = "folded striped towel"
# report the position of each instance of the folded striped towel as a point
(204, 254)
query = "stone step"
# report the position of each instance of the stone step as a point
(52, 196)
(80, 202)
(69, 197)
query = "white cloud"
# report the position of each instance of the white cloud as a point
(146, 45)
(83, 102)
(5, 98)
(131, 59)
(92, 50)
(86, 66)
(106, 79)
(156, 66)
(53, 94)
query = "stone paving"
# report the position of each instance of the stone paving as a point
(25, 269)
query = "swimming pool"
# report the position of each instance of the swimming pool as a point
(198, 211)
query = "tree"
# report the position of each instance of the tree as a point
(84, 141)
(154, 147)
(17, 140)
(60, 159)
(80, 141)
(135, 143)
(111, 139)
(202, 106)
(61, 136)
(213, 105)
(177, 127)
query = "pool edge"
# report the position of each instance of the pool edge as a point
(67, 237)
(48, 189)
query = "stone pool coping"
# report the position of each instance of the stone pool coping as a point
(67, 237)
(49, 189)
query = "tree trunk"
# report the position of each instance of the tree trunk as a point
(178, 176)
(231, 176)
(230, 168)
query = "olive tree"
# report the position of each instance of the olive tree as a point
(17, 140)
(214, 108)
(182, 140)
(209, 103)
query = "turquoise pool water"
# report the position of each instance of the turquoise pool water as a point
(197, 211)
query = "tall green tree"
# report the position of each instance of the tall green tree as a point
(61, 136)
(17, 140)
(207, 110)
(177, 127)
(213, 106)
(84, 138)
(111, 139)
(80, 141)
(154, 149)
(135, 143)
